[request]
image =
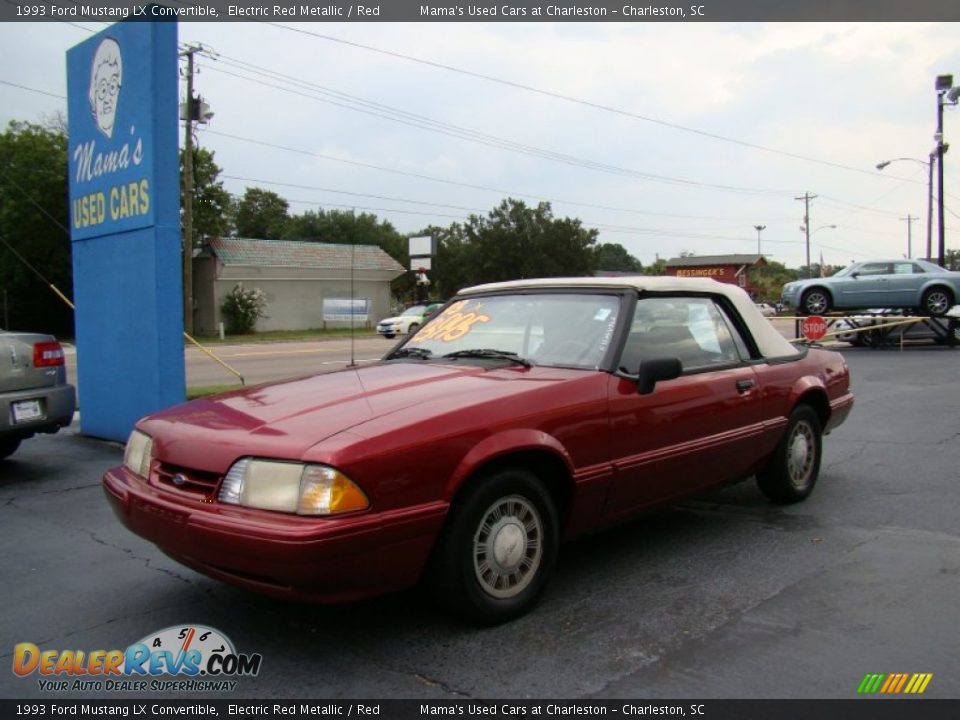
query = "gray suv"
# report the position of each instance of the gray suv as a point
(34, 394)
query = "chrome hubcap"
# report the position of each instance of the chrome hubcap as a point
(507, 547)
(801, 453)
(937, 303)
(816, 303)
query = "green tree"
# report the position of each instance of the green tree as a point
(347, 228)
(769, 280)
(659, 267)
(951, 259)
(262, 214)
(212, 204)
(515, 241)
(34, 220)
(615, 257)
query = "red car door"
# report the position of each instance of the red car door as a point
(694, 431)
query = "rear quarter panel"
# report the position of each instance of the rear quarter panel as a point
(820, 378)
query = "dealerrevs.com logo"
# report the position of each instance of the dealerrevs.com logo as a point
(181, 658)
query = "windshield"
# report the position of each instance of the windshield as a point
(564, 329)
(845, 271)
(415, 310)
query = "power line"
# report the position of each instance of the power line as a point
(34, 90)
(579, 101)
(557, 201)
(421, 122)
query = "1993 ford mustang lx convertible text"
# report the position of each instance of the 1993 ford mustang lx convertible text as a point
(521, 415)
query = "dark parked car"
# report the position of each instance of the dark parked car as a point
(914, 284)
(34, 394)
(524, 414)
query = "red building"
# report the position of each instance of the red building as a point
(731, 269)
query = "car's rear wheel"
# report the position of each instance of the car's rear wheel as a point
(8, 447)
(792, 472)
(816, 301)
(497, 549)
(413, 328)
(937, 301)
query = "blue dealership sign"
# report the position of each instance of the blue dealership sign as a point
(125, 224)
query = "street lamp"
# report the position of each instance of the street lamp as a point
(803, 229)
(946, 95)
(929, 165)
(759, 229)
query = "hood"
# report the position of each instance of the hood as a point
(285, 419)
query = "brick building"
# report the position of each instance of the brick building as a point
(733, 269)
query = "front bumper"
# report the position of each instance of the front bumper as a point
(789, 298)
(57, 403)
(313, 559)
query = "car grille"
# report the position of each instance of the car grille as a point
(186, 479)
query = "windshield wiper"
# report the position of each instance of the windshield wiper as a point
(414, 352)
(490, 353)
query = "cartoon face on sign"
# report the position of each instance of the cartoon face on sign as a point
(106, 77)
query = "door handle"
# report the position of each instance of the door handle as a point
(744, 385)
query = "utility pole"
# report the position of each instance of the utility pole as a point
(909, 218)
(933, 159)
(807, 197)
(188, 195)
(759, 229)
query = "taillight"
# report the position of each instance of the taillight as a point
(47, 354)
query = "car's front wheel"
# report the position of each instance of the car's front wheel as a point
(815, 302)
(497, 549)
(936, 301)
(413, 328)
(793, 470)
(389, 336)
(8, 447)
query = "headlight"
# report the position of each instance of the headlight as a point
(291, 487)
(138, 453)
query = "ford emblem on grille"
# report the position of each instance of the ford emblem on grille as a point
(179, 479)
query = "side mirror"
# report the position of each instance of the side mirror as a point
(654, 370)
(854, 275)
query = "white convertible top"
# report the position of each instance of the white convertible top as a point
(769, 341)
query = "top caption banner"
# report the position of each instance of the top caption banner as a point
(485, 11)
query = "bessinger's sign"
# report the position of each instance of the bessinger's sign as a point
(111, 173)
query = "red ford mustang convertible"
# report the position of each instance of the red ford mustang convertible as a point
(521, 415)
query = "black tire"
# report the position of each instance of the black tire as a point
(389, 336)
(792, 472)
(936, 301)
(8, 447)
(495, 553)
(413, 328)
(816, 301)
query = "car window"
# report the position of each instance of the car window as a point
(691, 329)
(742, 350)
(563, 329)
(905, 268)
(874, 269)
(415, 310)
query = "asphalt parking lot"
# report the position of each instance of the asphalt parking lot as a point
(721, 596)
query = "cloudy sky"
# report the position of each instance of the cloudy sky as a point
(666, 137)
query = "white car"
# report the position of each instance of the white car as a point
(766, 309)
(409, 321)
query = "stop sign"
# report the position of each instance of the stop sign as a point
(814, 327)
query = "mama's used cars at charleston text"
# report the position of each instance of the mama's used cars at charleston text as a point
(523, 414)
